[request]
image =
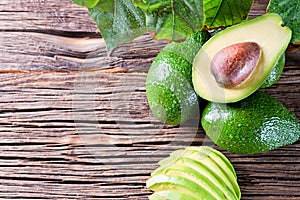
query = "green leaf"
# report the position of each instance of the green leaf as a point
(222, 13)
(289, 10)
(119, 21)
(86, 3)
(172, 19)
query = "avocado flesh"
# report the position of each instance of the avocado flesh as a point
(164, 182)
(218, 171)
(256, 124)
(228, 192)
(156, 196)
(220, 159)
(193, 174)
(217, 156)
(169, 89)
(185, 172)
(264, 31)
(173, 195)
(275, 73)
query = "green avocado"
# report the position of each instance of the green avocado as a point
(156, 196)
(275, 73)
(256, 124)
(200, 169)
(170, 194)
(214, 155)
(163, 182)
(202, 181)
(235, 62)
(169, 89)
(216, 166)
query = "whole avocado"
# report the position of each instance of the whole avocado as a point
(169, 88)
(256, 124)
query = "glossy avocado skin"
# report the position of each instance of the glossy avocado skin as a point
(256, 124)
(169, 88)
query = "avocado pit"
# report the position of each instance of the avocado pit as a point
(233, 64)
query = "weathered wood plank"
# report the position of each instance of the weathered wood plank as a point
(51, 16)
(44, 144)
(23, 52)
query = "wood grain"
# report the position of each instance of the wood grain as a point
(75, 123)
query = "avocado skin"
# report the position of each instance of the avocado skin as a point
(256, 124)
(169, 87)
(275, 73)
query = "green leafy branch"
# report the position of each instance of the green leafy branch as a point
(121, 21)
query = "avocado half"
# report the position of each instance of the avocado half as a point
(263, 39)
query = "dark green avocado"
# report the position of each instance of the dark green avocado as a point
(169, 87)
(256, 124)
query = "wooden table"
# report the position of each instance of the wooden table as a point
(75, 123)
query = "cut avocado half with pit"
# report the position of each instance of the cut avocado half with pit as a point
(235, 62)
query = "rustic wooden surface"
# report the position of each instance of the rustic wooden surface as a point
(75, 124)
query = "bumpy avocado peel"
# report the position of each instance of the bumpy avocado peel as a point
(169, 89)
(256, 124)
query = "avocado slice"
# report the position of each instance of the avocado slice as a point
(220, 159)
(200, 173)
(235, 62)
(156, 196)
(169, 89)
(218, 171)
(256, 124)
(164, 182)
(171, 194)
(186, 172)
(194, 173)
